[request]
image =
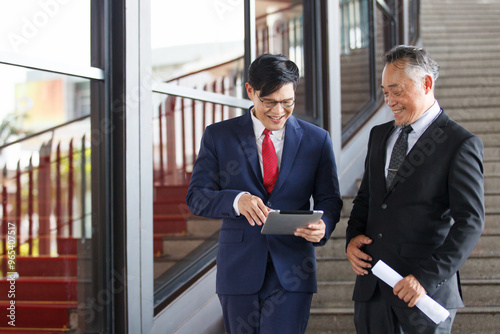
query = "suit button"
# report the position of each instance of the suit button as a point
(379, 236)
(269, 204)
(384, 206)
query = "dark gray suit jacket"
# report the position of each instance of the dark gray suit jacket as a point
(429, 221)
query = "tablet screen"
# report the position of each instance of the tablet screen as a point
(286, 222)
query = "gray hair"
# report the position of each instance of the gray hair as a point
(416, 62)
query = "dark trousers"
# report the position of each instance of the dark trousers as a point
(272, 310)
(378, 317)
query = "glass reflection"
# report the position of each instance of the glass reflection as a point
(38, 29)
(46, 197)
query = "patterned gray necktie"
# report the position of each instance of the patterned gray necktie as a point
(398, 154)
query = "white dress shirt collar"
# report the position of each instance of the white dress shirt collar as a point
(421, 124)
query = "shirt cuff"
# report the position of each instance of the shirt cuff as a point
(236, 200)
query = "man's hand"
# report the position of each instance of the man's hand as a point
(313, 232)
(409, 290)
(358, 258)
(253, 209)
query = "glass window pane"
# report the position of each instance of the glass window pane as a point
(355, 57)
(38, 100)
(55, 30)
(46, 213)
(280, 29)
(212, 34)
(207, 55)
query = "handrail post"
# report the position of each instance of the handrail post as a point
(59, 224)
(70, 189)
(17, 219)
(193, 128)
(30, 206)
(4, 211)
(160, 127)
(44, 199)
(83, 189)
(183, 122)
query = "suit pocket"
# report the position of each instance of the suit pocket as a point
(231, 236)
(417, 250)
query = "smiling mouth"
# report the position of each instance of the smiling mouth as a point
(276, 118)
(398, 111)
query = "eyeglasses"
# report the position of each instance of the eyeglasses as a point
(271, 103)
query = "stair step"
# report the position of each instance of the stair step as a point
(202, 227)
(491, 168)
(481, 81)
(480, 292)
(492, 224)
(491, 203)
(52, 317)
(490, 139)
(491, 185)
(169, 224)
(478, 266)
(487, 244)
(339, 294)
(450, 39)
(179, 248)
(171, 206)
(477, 320)
(171, 192)
(334, 247)
(477, 114)
(331, 320)
(45, 266)
(25, 330)
(466, 92)
(41, 289)
(463, 56)
(492, 154)
(470, 103)
(334, 294)
(339, 232)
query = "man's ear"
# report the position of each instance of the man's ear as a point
(249, 89)
(428, 83)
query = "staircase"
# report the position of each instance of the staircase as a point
(464, 38)
(46, 293)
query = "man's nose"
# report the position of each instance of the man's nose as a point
(390, 101)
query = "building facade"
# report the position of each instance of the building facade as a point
(105, 103)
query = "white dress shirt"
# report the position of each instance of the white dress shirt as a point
(419, 127)
(278, 139)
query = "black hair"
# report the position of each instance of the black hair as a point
(269, 72)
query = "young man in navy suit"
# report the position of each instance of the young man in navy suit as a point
(420, 206)
(265, 282)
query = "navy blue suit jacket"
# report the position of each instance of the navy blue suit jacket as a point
(228, 163)
(428, 222)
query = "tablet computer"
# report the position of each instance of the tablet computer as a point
(286, 222)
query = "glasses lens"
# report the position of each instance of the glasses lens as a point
(269, 103)
(288, 104)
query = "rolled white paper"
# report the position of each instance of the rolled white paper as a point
(426, 304)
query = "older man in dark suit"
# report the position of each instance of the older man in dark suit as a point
(420, 206)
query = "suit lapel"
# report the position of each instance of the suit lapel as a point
(381, 154)
(432, 133)
(293, 137)
(248, 145)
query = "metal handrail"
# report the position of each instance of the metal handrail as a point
(199, 95)
(44, 131)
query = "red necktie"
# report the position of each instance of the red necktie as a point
(269, 162)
